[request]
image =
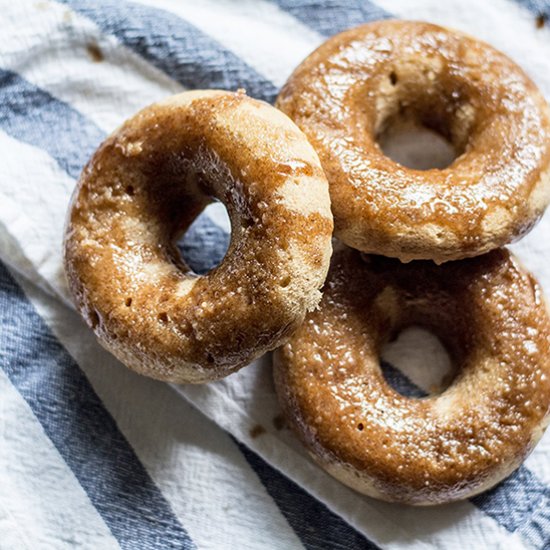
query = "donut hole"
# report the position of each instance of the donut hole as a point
(205, 243)
(422, 121)
(413, 145)
(416, 363)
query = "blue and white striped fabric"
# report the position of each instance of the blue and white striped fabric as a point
(93, 456)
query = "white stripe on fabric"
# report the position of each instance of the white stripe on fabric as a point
(55, 38)
(198, 468)
(37, 488)
(34, 226)
(268, 39)
(13, 534)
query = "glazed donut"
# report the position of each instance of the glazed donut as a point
(143, 188)
(365, 80)
(492, 318)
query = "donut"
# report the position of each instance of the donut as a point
(364, 81)
(143, 188)
(490, 315)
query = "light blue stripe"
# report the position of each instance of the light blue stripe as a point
(174, 46)
(519, 503)
(538, 8)
(35, 117)
(82, 430)
(535, 531)
(329, 17)
(204, 244)
(317, 527)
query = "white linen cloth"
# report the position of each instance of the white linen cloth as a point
(94, 456)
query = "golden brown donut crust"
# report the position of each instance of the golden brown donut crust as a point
(490, 314)
(360, 81)
(146, 184)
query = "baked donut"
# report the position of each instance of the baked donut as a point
(143, 188)
(491, 316)
(365, 80)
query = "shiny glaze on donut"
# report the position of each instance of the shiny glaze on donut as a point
(360, 81)
(491, 316)
(141, 190)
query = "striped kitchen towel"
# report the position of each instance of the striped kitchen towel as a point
(94, 456)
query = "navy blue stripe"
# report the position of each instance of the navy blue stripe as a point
(82, 430)
(35, 117)
(329, 17)
(175, 46)
(317, 527)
